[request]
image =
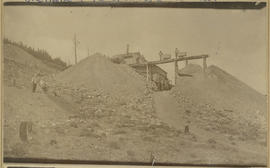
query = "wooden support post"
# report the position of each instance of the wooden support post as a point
(186, 62)
(147, 72)
(204, 64)
(150, 72)
(176, 72)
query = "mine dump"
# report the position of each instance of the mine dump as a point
(124, 108)
(119, 85)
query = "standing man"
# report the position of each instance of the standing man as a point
(176, 52)
(160, 55)
(35, 81)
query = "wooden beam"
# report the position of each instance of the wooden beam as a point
(147, 72)
(176, 72)
(204, 65)
(182, 74)
(171, 60)
(178, 59)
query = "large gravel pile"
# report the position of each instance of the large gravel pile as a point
(97, 71)
(216, 99)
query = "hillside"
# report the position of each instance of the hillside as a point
(223, 99)
(20, 66)
(101, 119)
(101, 111)
(20, 104)
(40, 54)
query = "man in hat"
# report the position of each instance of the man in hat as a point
(35, 81)
(176, 53)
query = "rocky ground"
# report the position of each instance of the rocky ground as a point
(72, 121)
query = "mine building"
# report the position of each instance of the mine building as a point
(137, 61)
(156, 75)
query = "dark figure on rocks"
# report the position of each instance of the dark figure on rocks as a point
(35, 81)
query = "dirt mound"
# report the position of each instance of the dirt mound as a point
(97, 71)
(221, 100)
(218, 86)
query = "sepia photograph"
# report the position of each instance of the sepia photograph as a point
(134, 86)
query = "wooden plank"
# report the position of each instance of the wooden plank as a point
(147, 72)
(182, 74)
(171, 60)
(178, 59)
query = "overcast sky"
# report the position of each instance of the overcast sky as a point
(234, 39)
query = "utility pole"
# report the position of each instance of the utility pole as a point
(76, 42)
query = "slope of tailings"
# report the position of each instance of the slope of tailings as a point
(221, 100)
(98, 72)
(20, 66)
